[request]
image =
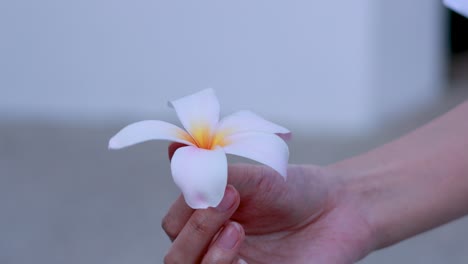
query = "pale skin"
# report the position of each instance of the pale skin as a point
(335, 214)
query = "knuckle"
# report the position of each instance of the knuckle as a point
(168, 227)
(171, 259)
(165, 223)
(200, 224)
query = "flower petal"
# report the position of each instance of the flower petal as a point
(201, 175)
(265, 148)
(246, 121)
(458, 6)
(149, 130)
(198, 111)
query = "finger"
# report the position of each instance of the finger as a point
(173, 147)
(176, 218)
(180, 212)
(226, 247)
(192, 242)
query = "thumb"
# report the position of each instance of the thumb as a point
(250, 179)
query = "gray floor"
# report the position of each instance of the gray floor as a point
(64, 198)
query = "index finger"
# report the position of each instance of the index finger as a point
(199, 230)
(176, 217)
(180, 212)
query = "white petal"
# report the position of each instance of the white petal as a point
(199, 109)
(265, 148)
(148, 130)
(246, 121)
(459, 6)
(201, 175)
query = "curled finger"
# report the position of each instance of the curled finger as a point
(226, 247)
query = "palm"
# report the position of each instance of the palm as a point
(280, 218)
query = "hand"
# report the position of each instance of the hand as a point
(310, 218)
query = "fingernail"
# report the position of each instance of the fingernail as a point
(228, 200)
(229, 236)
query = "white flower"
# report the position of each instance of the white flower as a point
(200, 168)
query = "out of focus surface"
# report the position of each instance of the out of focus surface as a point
(113, 59)
(72, 74)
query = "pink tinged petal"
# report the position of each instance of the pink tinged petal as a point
(148, 130)
(201, 175)
(196, 110)
(246, 121)
(265, 148)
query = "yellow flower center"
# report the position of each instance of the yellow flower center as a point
(203, 137)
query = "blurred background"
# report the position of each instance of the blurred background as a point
(344, 77)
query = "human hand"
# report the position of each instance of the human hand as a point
(309, 218)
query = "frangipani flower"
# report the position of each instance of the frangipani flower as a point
(200, 168)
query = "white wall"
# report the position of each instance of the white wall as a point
(409, 59)
(318, 65)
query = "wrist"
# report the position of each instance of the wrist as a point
(356, 189)
(348, 195)
(386, 198)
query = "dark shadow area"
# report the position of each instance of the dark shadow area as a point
(458, 33)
